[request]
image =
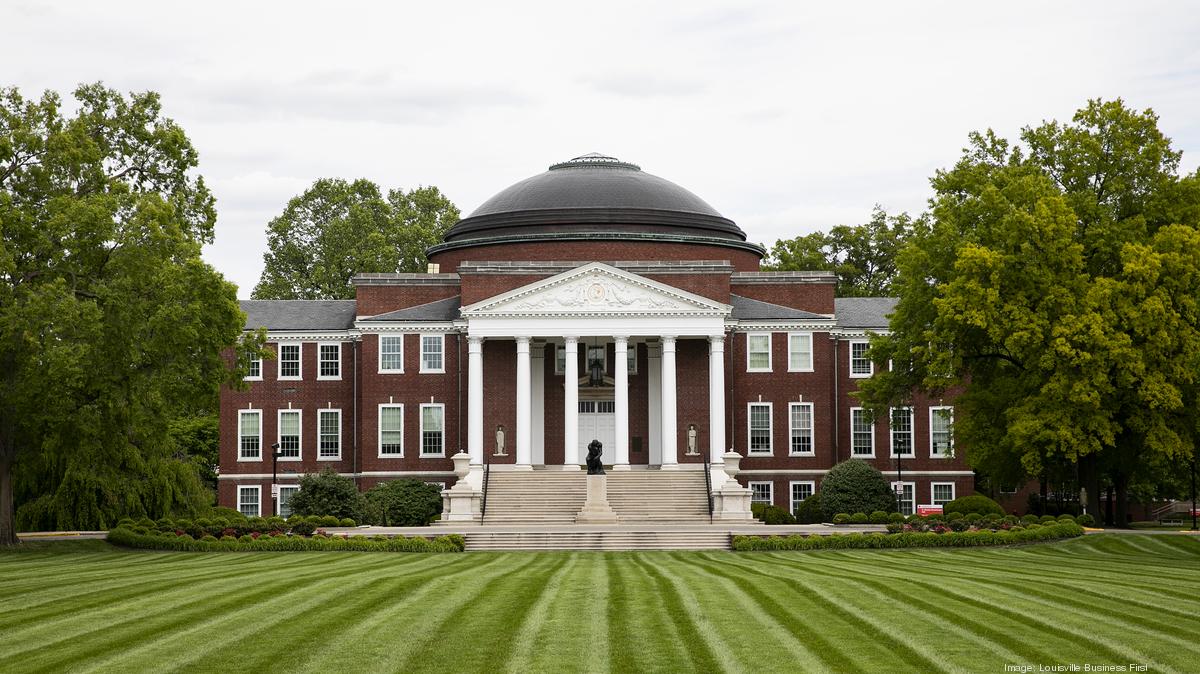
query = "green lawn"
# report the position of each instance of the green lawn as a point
(1103, 599)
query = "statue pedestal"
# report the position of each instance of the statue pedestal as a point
(596, 509)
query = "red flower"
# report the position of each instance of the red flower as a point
(255, 535)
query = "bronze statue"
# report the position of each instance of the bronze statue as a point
(594, 464)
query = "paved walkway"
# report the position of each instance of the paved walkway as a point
(760, 529)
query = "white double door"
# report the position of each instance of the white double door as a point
(598, 421)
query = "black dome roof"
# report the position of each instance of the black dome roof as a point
(593, 194)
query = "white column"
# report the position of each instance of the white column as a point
(716, 399)
(524, 398)
(571, 404)
(621, 386)
(669, 430)
(538, 373)
(654, 395)
(475, 399)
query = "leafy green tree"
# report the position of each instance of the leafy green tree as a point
(1056, 282)
(110, 321)
(855, 486)
(862, 256)
(327, 493)
(337, 229)
(405, 503)
(197, 439)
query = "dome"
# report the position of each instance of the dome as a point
(594, 196)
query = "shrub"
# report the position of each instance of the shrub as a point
(127, 537)
(859, 518)
(1029, 519)
(328, 521)
(301, 526)
(907, 539)
(975, 503)
(1066, 517)
(1047, 519)
(776, 515)
(855, 486)
(757, 510)
(228, 513)
(895, 517)
(407, 503)
(973, 518)
(326, 493)
(879, 517)
(125, 522)
(809, 511)
(841, 518)
(146, 523)
(1085, 520)
(346, 522)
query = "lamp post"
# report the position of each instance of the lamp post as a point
(900, 483)
(274, 487)
(1193, 489)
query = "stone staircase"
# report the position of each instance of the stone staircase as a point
(658, 496)
(581, 538)
(534, 497)
(637, 496)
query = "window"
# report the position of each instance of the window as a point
(762, 492)
(800, 356)
(289, 361)
(254, 373)
(801, 491)
(249, 435)
(285, 495)
(902, 431)
(904, 491)
(942, 492)
(595, 353)
(432, 347)
(391, 430)
(801, 428)
(860, 365)
(862, 433)
(289, 435)
(941, 439)
(560, 359)
(631, 359)
(433, 430)
(758, 352)
(391, 353)
(759, 421)
(329, 365)
(248, 501)
(329, 435)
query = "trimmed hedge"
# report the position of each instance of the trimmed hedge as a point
(155, 540)
(855, 486)
(975, 503)
(964, 539)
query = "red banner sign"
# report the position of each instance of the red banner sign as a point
(929, 510)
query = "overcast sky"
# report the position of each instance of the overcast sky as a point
(787, 117)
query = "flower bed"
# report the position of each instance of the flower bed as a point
(136, 537)
(911, 539)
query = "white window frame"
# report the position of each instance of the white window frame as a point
(812, 444)
(901, 500)
(299, 433)
(812, 489)
(421, 452)
(770, 491)
(299, 360)
(750, 451)
(631, 358)
(379, 431)
(560, 358)
(870, 363)
(257, 413)
(933, 492)
(279, 499)
(796, 335)
(257, 489)
(949, 454)
(853, 455)
(912, 433)
(750, 352)
(441, 339)
(259, 376)
(320, 413)
(330, 377)
(382, 339)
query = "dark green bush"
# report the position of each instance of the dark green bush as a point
(907, 539)
(328, 521)
(975, 503)
(127, 537)
(346, 522)
(145, 522)
(855, 486)
(954, 517)
(841, 518)
(406, 503)
(896, 517)
(776, 515)
(757, 509)
(859, 518)
(301, 526)
(326, 493)
(880, 517)
(1065, 517)
(973, 518)
(1029, 519)
(228, 513)
(810, 511)
(1047, 519)
(1085, 520)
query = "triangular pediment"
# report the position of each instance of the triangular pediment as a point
(596, 289)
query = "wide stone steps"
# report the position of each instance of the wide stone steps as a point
(484, 540)
(534, 497)
(659, 496)
(653, 497)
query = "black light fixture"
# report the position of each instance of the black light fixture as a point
(595, 368)
(275, 454)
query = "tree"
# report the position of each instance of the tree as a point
(1056, 282)
(855, 486)
(327, 493)
(337, 229)
(405, 503)
(862, 256)
(110, 322)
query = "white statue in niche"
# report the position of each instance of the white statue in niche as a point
(500, 441)
(691, 440)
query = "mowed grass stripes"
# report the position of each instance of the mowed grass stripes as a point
(1103, 600)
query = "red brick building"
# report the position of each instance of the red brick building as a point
(592, 301)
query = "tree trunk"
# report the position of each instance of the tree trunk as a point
(1121, 482)
(1089, 479)
(8, 529)
(1108, 508)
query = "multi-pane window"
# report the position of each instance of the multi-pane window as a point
(800, 491)
(800, 356)
(391, 430)
(248, 502)
(289, 434)
(862, 433)
(760, 428)
(860, 365)
(329, 434)
(943, 493)
(433, 430)
(432, 347)
(801, 424)
(941, 440)
(560, 359)
(904, 492)
(330, 361)
(289, 361)
(902, 431)
(391, 353)
(631, 359)
(254, 372)
(285, 495)
(761, 492)
(249, 435)
(758, 352)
